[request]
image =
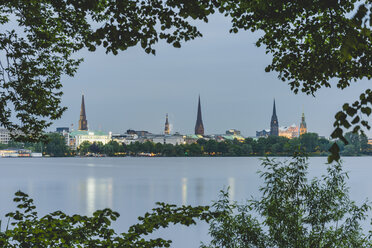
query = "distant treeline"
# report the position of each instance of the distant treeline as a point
(270, 146)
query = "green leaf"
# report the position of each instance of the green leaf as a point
(177, 44)
(335, 153)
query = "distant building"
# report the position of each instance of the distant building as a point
(124, 138)
(303, 127)
(83, 123)
(289, 132)
(4, 136)
(62, 130)
(193, 138)
(169, 139)
(231, 138)
(65, 132)
(199, 127)
(263, 133)
(78, 137)
(166, 128)
(233, 132)
(274, 125)
(130, 131)
(139, 133)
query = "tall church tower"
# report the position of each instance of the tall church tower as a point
(303, 128)
(274, 125)
(199, 127)
(83, 123)
(166, 129)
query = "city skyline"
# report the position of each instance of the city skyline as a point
(199, 127)
(135, 90)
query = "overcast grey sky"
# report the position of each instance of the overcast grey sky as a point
(135, 90)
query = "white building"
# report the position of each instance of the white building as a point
(169, 139)
(125, 138)
(4, 136)
(78, 137)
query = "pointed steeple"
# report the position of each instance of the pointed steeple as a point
(303, 127)
(166, 129)
(199, 127)
(274, 125)
(82, 109)
(83, 123)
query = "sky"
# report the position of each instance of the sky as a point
(134, 90)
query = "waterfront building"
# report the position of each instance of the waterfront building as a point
(192, 138)
(233, 132)
(62, 130)
(169, 139)
(289, 132)
(83, 123)
(199, 127)
(124, 138)
(274, 125)
(166, 129)
(65, 132)
(141, 133)
(4, 136)
(303, 127)
(264, 133)
(232, 137)
(78, 137)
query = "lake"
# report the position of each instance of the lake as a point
(131, 186)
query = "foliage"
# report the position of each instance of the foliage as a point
(39, 40)
(58, 229)
(310, 143)
(55, 145)
(314, 43)
(249, 147)
(84, 147)
(292, 211)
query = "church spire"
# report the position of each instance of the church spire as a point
(166, 129)
(274, 125)
(83, 123)
(303, 127)
(199, 127)
(274, 109)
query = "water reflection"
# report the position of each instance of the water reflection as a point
(199, 191)
(184, 191)
(231, 183)
(98, 194)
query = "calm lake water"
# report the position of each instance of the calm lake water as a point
(131, 186)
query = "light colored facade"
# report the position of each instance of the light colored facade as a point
(289, 132)
(4, 136)
(169, 139)
(76, 138)
(125, 138)
(233, 132)
(233, 137)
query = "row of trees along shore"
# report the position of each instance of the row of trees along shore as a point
(310, 143)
